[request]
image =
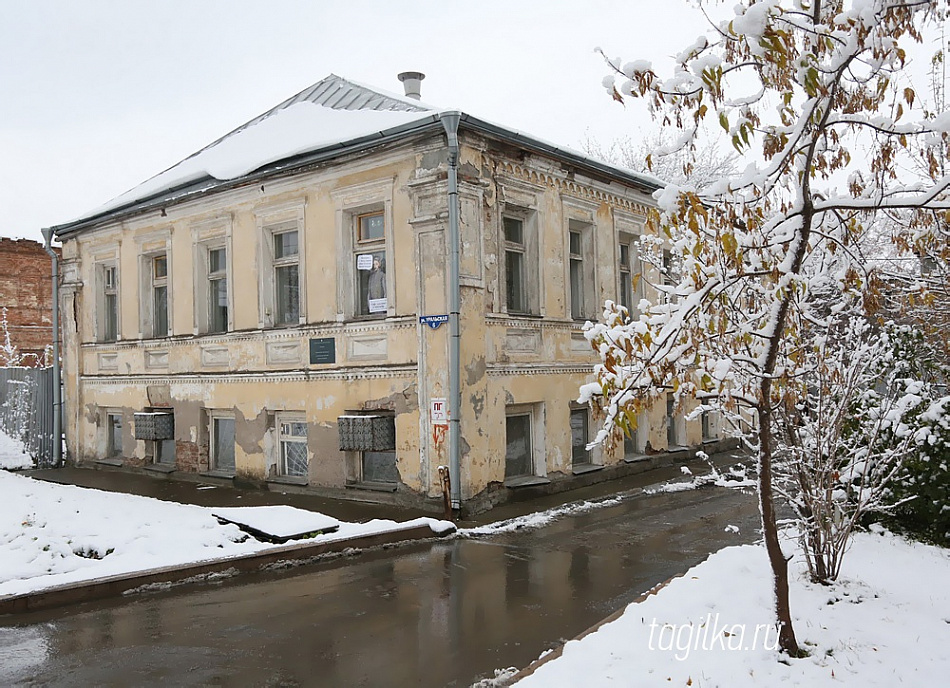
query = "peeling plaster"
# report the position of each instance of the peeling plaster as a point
(406, 401)
(478, 404)
(250, 433)
(476, 370)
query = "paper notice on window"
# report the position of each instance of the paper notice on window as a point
(377, 305)
(364, 261)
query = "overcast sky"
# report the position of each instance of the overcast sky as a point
(97, 96)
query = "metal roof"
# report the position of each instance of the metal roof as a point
(336, 93)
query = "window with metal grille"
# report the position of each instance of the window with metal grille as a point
(292, 438)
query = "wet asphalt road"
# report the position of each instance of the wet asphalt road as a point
(441, 613)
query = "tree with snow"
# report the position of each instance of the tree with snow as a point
(656, 154)
(816, 97)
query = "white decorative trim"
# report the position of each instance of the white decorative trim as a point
(215, 356)
(108, 361)
(282, 352)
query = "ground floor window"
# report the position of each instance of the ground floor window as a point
(222, 444)
(674, 431)
(518, 445)
(114, 438)
(292, 438)
(710, 426)
(380, 467)
(580, 421)
(165, 452)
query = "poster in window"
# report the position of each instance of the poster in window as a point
(378, 305)
(364, 261)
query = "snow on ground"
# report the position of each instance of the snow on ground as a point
(735, 477)
(539, 518)
(55, 534)
(13, 454)
(886, 622)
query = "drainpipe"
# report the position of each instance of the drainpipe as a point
(57, 384)
(450, 122)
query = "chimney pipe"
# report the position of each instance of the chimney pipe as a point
(412, 81)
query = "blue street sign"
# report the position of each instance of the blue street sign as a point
(433, 321)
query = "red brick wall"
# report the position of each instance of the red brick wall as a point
(26, 291)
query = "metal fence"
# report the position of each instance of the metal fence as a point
(26, 410)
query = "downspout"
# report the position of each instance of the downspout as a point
(450, 122)
(57, 384)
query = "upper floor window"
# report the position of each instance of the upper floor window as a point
(581, 270)
(521, 265)
(107, 320)
(369, 249)
(159, 299)
(217, 290)
(287, 278)
(629, 270)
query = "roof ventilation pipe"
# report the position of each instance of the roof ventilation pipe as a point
(412, 82)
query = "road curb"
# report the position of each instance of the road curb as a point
(112, 586)
(558, 651)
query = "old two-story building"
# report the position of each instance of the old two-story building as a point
(350, 291)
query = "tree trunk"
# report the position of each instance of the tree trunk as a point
(786, 634)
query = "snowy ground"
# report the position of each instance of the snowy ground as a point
(13, 455)
(886, 622)
(54, 534)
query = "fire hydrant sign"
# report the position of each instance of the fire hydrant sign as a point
(439, 411)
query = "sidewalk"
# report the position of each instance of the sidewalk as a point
(198, 493)
(154, 524)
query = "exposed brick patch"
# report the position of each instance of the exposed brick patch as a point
(26, 291)
(191, 457)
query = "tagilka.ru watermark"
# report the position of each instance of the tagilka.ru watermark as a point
(710, 634)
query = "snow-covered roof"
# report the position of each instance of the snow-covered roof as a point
(332, 116)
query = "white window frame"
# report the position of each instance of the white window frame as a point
(203, 285)
(633, 269)
(709, 424)
(369, 247)
(537, 456)
(150, 282)
(113, 451)
(675, 426)
(584, 308)
(279, 421)
(214, 417)
(103, 270)
(528, 249)
(271, 222)
(352, 202)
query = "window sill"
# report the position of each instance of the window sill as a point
(712, 440)
(374, 487)
(636, 458)
(110, 462)
(526, 481)
(228, 475)
(528, 316)
(160, 468)
(289, 480)
(582, 468)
